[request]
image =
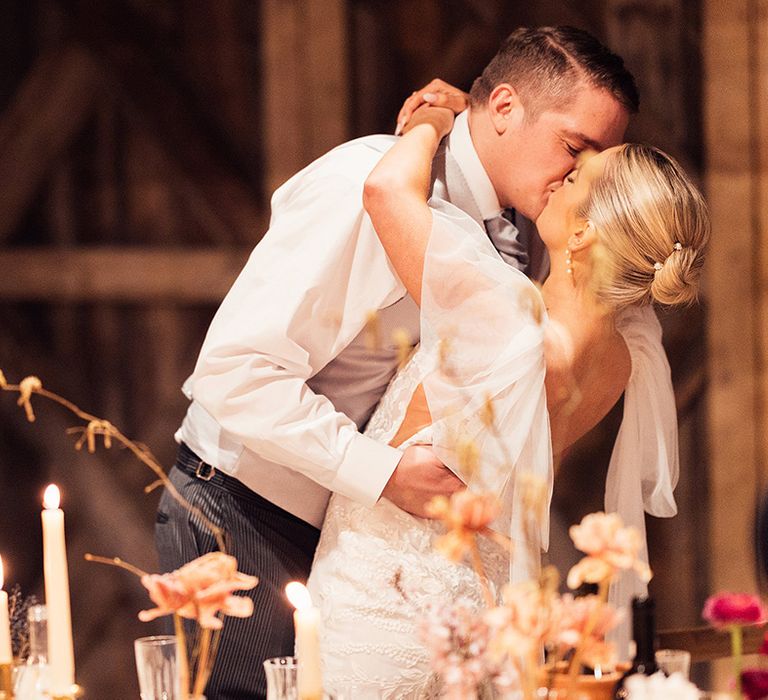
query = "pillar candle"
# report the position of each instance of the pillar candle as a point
(306, 620)
(61, 657)
(6, 650)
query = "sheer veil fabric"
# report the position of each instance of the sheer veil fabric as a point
(484, 321)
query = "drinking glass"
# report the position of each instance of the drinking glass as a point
(674, 661)
(156, 667)
(281, 678)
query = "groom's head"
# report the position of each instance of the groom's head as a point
(548, 94)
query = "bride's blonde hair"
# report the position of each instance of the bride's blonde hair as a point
(653, 225)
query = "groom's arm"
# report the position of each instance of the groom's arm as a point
(305, 293)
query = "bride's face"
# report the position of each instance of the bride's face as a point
(560, 218)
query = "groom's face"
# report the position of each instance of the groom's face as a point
(540, 152)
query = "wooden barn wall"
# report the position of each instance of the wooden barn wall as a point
(139, 144)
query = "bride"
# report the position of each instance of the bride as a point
(627, 228)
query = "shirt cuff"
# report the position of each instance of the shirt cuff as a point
(365, 470)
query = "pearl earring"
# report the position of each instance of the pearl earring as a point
(568, 262)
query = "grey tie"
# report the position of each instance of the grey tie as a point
(511, 243)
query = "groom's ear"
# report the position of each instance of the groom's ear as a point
(505, 108)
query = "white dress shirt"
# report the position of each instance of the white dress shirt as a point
(287, 376)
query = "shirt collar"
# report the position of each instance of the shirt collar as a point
(463, 150)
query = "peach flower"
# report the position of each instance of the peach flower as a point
(465, 509)
(465, 514)
(609, 545)
(200, 590)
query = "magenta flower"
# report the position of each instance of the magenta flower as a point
(727, 609)
(754, 684)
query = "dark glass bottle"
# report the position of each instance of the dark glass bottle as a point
(644, 635)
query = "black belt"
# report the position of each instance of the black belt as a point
(191, 465)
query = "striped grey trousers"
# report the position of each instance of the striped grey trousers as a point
(267, 541)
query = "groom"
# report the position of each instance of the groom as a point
(303, 346)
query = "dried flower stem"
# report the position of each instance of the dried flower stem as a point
(201, 677)
(183, 660)
(98, 426)
(116, 561)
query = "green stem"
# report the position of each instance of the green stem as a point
(736, 651)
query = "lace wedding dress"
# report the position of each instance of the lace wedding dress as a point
(376, 570)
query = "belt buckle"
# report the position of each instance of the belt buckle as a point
(204, 471)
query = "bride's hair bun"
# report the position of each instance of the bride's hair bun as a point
(677, 281)
(653, 225)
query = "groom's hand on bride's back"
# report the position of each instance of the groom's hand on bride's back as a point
(420, 476)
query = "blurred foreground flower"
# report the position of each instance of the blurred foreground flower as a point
(726, 609)
(732, 611)
(457, 636)
(583, 622)
(754, 683)
(465, 514)
(609, 546)
(200, 590)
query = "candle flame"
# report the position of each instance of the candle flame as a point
(2, 573)
(51, 497)
(298, 595)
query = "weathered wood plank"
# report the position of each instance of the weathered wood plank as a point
(708, 643)
(305, 83)
(119, 274)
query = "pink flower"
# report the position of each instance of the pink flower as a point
(456, 638)
(574, 617)
(609, 545)
(200, 590)
(725, 609)
(754, 684)
(764, 646)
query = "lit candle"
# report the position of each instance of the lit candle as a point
(6, 651)
(61, 657)
(306, 620)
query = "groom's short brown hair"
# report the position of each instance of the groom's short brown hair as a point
(545, 65)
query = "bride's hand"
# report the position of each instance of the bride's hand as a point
(440, 118)
(437, 93)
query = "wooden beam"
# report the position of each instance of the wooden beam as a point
(119, 274)
(46, 113)
(305, 83)
(708, 643)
